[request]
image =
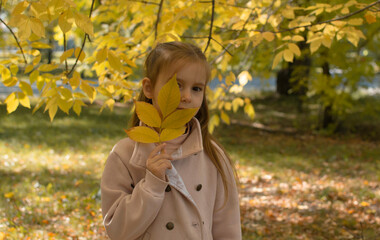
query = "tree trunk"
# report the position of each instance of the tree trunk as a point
(328, 116)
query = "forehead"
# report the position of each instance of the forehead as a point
(185, 70)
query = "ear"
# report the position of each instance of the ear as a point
(147, 88)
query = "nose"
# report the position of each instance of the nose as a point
(185, 96)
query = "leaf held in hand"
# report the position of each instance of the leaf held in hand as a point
(148, 114)
(143, 134)
(169, 97)
(168, 133)
(179, 118)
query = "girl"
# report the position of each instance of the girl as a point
(183, 188)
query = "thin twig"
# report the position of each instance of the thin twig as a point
(211, 25)
(225, 49)
(158, 19)
(145, 2)
(227, 4)
(64, 50)
(84, 42)
(237, 35)
(18, 43)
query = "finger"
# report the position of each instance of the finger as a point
(165, 164)
(159, 157)
(157, 149)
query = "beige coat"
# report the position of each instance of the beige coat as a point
(138, 205)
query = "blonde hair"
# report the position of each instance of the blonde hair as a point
(166, 55)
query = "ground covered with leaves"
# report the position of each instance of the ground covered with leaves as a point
(295, 184)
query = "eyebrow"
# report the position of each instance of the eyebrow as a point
(197, 83)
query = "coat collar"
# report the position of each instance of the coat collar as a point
(192, 145)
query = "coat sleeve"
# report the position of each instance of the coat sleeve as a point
(226, 219)
(127, 211)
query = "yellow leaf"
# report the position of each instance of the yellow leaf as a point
(78, 106)
(26, 88)
(370, 18)
(5, 73)
(168, 134)
(288, 13)
(82, 54)
(298, 38)
(143, 134)
(28, 68)
(24, 27)
(249, 110)
(89, 90)
(269, 36)
(24, 100)
(114, 61)
(39, 10)
(34, 76)
(364, 204)
(9, 195)
(37, 27)
(179, 118)
(169, 97)
(75, 80)
(244, 77)
(295, 49)
(277, 59)
(64, 105)
(40, 45)
(345, 10)
(66, 93)
(288, 55)
(2, 236)
(225, 117)
(214, 121)
(101, 55)
(47, 67)
(84, 23)
(52, 111)
(236, 103)
(230, 79)
(12, 102)
(20, 8)
(315, 45)
(66, 54)
(355, 21)
(66, 20)
(10, 82)
(39, 104)
(148, 114)
(14, 69)
(37, 60)
(326, 41)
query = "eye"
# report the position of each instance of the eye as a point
(179, 85)
(197, 89)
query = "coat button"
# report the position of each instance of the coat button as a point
(199, 187)
(170, 225)
(168, 188)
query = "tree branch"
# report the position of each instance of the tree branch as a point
(18, 43)
(211, 25)
(84, 42)
(64, 50)
(334, 19)
(145, 2)
(312, 24)
(158, 19)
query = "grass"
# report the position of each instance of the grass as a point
(295, 184)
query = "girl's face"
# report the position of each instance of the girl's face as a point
(191, 78)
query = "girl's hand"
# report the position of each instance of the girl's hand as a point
(158, 161)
